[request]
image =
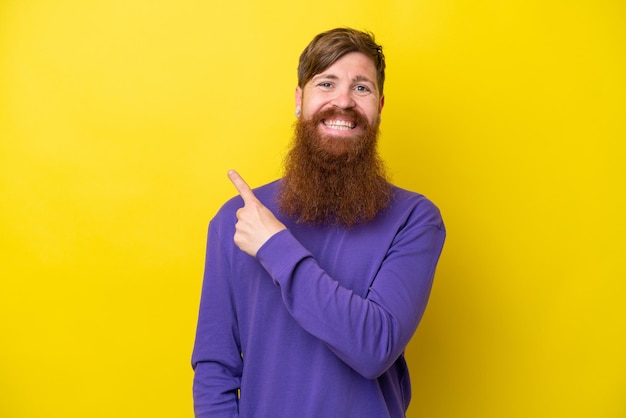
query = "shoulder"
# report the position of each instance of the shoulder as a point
(414, 207)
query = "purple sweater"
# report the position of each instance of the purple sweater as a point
(316, 325)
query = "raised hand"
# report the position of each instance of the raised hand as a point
(255, 222)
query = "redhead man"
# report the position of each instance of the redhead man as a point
(315, 283)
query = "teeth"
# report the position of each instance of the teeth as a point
(342, 125)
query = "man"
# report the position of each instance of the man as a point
(315, 283)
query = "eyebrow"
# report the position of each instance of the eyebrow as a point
(357, 79)
(362, 78)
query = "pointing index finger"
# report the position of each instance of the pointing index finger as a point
(242, 187)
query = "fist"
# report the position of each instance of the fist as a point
(255, 222)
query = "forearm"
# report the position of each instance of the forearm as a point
(368, 331)
(216, 355)
(362, 333)
(214, 392)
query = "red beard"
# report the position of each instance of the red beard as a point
(332, 180)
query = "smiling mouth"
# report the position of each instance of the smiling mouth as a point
(340, 125)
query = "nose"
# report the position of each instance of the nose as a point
(343, 99)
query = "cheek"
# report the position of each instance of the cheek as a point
(373, 113)
(311, 107)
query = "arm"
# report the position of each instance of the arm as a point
(216, 356)
(367, 333)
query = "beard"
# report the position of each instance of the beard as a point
(334, 180)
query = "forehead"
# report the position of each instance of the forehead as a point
(354, 65)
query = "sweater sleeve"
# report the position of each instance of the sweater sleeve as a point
(216, 357)
(367, 333)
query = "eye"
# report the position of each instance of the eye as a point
(362, 89)
(325, 85)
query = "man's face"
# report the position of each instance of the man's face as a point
(343, 99)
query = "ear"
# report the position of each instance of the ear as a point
(381, 104)
(298, 99)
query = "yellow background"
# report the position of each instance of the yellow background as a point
(119, 119)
